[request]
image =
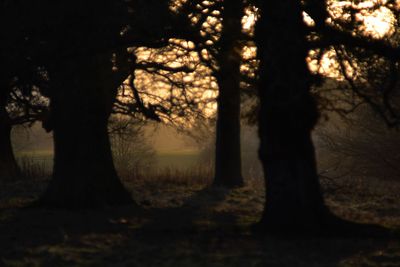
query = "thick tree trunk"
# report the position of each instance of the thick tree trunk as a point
(9, 169)
(8, 165)
(84, 174)
(287, 117)
(228, 165)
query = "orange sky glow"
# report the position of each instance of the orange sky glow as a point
(374, 22)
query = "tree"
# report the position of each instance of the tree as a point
(213, 42)
(287, 116)
(85, 53)
(8, 164)
(219, 40)
(228, 164)
(166, 85)
(289, 112)
(20, 80)
(19, 107)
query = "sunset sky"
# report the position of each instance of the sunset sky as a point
(200, 84)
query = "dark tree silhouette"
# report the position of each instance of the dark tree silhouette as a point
(17, 107)
(228, 164)
(288, 114)
(84, 174)
(288, 111)
(8, 165)
(20, 80)
(84, 47)
(164, 86)
(215, 33)
(219, 41)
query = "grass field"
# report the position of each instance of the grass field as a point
(180, 225)
(176, 159)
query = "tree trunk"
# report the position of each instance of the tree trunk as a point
(228, 165)
(84, 174)
(9, 169)
(287, 117)
(8, 165)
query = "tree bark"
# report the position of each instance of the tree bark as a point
(84, 174)
(228, 165)
(9, 168)
(287, 117)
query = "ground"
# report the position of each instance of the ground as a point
(182, 224)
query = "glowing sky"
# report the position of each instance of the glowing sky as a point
(373, 20)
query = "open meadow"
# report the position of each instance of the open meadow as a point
(180, 222)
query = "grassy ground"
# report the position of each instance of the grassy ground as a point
(181, 224)
(172, 159)
(180, 159)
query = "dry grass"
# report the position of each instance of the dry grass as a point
(199, 175)
(183, 224)
(32, 169)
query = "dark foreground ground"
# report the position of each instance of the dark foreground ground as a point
(182, 225)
